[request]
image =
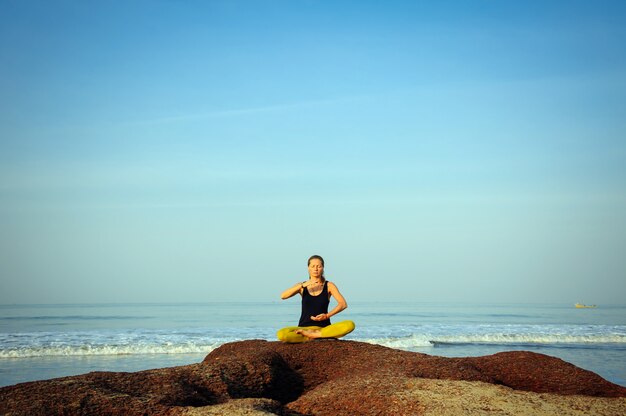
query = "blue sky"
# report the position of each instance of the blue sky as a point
(155, 151)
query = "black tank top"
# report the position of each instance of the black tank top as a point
(314, 305)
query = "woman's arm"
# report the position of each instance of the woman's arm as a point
(341, 301)
(297, 288)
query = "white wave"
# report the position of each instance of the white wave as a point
(403, 343)
(426, 340)
(532, 339)
(88, 350)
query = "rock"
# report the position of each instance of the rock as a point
(235, 407)
(326, 377)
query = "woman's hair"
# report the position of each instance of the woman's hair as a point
(316, 257)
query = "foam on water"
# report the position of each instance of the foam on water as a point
(138, 342)
(87, 350)
(532, 339)
(425, 340)
(82, 343)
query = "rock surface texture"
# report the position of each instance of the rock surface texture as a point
(328, 378)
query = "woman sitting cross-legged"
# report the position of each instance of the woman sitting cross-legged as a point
(315, 318)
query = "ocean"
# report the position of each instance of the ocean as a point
(46, 341)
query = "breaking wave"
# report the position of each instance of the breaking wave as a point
(421, 341)
(88, 350)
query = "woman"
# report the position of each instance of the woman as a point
(315, 318)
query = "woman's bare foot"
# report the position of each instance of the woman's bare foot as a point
(310, 333)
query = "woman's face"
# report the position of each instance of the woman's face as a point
(316, 268)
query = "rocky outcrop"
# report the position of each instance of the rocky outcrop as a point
(322, 378)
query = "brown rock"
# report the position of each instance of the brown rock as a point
(317, 378)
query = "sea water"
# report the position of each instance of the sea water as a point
(46, 341)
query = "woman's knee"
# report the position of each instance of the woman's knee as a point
(281, 334)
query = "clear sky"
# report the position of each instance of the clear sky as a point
(168, 151)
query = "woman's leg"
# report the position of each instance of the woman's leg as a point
(293, 334)
(337, 330)
(297, 334)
